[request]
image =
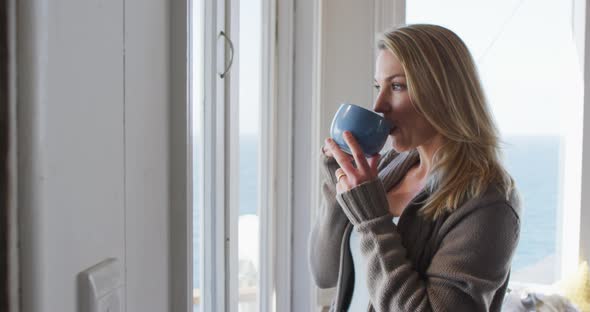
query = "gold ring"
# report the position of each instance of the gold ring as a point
(340, 175)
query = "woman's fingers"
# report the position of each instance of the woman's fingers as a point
(374, 164)
(342, 184)
(339, 174)
(327, 152)
(357, 153)
(343, 159)
(353, 170)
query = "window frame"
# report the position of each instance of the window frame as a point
(276, 150)
(279, 191)
(220, 159)
(582, 37)
(180, 289)
(218, 164)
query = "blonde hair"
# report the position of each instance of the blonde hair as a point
(444, 87)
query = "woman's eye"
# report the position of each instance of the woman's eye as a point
(376, 87)
(397, 86)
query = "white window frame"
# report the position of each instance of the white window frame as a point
(582, 34)
(219, 191)
(276, 150)
(180, 164)
(219, 262)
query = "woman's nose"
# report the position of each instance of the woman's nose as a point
(381, 104)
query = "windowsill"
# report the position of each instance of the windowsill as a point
(247, 294)
(540, 288)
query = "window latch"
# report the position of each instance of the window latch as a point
(231, 55)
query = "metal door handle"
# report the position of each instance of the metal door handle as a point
(231, 56)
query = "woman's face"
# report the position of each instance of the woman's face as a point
(393, 101)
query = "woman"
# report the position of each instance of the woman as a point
(432, 226)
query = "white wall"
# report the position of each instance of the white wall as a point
(147, 104)
(346, 58)
(93, 96)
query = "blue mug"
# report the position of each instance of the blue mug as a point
(369, 128)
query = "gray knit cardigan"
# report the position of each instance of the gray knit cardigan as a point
(458, 262)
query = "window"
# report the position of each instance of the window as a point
(240, 224)
(531, 75)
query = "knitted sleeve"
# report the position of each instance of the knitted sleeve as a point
(326, 234)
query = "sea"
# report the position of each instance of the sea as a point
(533, 162)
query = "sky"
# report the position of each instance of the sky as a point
(250, 42)
(525, 54)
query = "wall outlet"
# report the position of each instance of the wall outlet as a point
(100, 288)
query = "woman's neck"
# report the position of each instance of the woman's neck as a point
(426, 152)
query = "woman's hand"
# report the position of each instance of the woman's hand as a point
(348, 175)
(326, 152)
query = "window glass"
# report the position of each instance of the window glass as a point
(249, 103)
(531, 78)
